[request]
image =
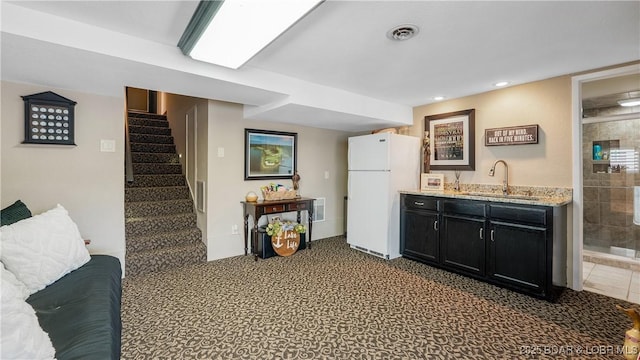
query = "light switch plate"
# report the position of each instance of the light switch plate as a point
(107, 145)
(220, 152)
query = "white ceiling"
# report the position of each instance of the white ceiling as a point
(333, 69)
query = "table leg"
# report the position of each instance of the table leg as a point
(254, 241)
(310, 213)
(246, 234)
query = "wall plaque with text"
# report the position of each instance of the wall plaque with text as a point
(512, 135)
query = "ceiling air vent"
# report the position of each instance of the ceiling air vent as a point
(403, 32)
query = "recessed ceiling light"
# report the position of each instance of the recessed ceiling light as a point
(501, 84)
(403, 32)
(629, 102)
(438, 98)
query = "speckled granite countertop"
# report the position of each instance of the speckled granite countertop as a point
(527, 195)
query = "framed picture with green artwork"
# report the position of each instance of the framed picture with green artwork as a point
(269, 154)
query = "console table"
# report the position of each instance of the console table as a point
(258, 208)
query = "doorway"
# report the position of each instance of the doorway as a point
(606, 180)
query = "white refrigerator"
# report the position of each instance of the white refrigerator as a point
(379, 166)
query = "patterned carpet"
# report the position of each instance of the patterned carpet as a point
(332, 302)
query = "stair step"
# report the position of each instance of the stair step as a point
(157, 180)
(135, 129)
(145, 115)
(144, 262)
(155, 158)
(147, 122)
(152, 148)
(151, 225)
(165, 239)
(157, 208)
(156, 168)
(156, 193)
(151, 139)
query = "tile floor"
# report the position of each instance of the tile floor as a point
(611, 281)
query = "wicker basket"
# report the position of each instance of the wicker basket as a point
(279, 195)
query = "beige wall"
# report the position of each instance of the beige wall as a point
(221, 125)
(177, 107)
(546, 103)
(318, 151)
(87, 182)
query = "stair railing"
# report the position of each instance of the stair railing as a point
(128, 161)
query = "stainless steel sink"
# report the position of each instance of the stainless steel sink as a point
(502, 196)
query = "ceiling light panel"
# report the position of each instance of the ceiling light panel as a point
(241, 28)
(629, 102)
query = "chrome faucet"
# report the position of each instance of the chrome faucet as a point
(505, 182)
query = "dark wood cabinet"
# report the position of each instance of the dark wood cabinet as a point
(520, 240)
(419, 227)
(463, 235)
(511, 245)
(518, 256)
(463, 246)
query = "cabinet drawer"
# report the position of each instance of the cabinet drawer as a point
(518, 214)
(274, 209)
(297, 206)
(420, 202)
(464, 207)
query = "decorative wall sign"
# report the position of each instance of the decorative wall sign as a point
(451, 140)
(286, 242)
(512, 135)
(48, 119)
(269, 154)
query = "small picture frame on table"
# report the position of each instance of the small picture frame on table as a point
(432, 182)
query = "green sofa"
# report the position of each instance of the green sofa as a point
(81, 310)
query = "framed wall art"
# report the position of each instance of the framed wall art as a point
(432, 182)
(451, 140)
(269, 154)
(48, 119)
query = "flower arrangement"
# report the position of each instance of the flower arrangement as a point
(278, 226)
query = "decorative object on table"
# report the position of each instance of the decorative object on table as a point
(277, 192)
(426, 153)
(296, 181)
(432, 182)
(285, 236)
(251, 197)
(269, 154)
(511, 135)
(451, 140)
(631, 347)
(456, 184)
(48, 119)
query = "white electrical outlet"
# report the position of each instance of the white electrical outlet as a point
(234, 229)
(326, 174)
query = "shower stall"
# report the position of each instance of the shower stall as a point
(611, 184)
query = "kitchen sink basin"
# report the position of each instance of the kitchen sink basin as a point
(502, 196)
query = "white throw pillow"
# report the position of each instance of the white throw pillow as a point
(42, 249)
(7, 276)
(21, 335)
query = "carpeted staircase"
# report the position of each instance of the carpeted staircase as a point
(161, 230)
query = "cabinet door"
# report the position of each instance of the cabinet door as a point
(463, 244)
(419, 235)
(518, 256)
